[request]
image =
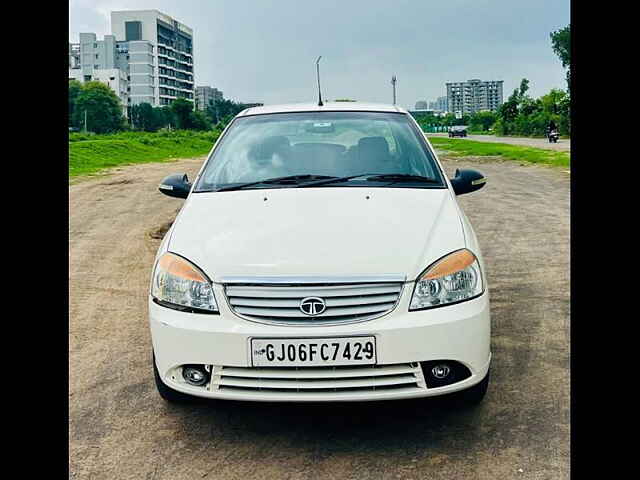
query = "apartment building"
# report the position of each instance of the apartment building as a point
(148, 58)
(160, 55)
(206, 94)
(440, 104)
(98, 60)
(466, 98)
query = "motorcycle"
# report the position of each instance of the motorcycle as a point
(553, 136)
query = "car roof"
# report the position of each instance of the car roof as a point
(327, 107)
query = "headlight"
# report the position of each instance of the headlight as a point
(454, 278)
(181, 285)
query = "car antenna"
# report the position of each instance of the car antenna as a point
(393, 82)
(320, 104)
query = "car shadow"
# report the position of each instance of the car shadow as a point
(340, 427)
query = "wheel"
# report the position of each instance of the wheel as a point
(473, 396)
(168, 394)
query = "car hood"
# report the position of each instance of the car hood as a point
(328, 231)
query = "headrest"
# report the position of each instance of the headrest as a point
(270, 145)
(376, 146)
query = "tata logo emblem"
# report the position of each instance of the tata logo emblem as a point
(312, 306)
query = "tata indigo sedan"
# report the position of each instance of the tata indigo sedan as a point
(320, 255)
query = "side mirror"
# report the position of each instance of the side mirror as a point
(176, 186)
(467, 181)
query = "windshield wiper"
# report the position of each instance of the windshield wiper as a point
(383, 177)
(289, 178)
(403, 177)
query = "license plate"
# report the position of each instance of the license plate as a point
(309, 352)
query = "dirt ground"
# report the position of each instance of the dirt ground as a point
(563, 144)
(120, 428)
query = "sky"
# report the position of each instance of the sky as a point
(265, 50)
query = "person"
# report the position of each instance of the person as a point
(552, 127)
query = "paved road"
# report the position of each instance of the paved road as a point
(120, 428)
(563, 144)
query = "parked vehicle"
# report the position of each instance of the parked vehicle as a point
(553, 136)
(457, 132)
(321, 255)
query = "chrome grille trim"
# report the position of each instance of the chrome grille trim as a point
(322, 380)
(309, 291)
(345, 303)
(310, 279)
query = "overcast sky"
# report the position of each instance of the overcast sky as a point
(265, 50)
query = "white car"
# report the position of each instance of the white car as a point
(320, 255)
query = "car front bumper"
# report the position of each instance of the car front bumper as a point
(459, 332)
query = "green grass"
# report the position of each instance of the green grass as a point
(89, 154)
(480, 132)
(466, 148)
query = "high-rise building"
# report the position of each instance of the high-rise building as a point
(421, 105)
(148, 58)
(206, 94)
(465, 98)
(440, 104)
(160, 55)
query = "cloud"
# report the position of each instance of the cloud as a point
(266, 51)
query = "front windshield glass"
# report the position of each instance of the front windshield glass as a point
(323, 144)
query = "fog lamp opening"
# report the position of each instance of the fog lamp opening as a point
(195, 375)
(443, 372)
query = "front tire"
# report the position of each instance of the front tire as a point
(168, 394)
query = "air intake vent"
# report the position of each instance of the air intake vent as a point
(319, 380)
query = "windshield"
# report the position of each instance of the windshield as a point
(319, 145)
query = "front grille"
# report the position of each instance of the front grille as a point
(318, 380)
(344, 302)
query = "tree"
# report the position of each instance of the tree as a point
(165, 116)
(509, 110)
(482, 121)
(182, 109)
(524, 88)
(199, 121)
(561, 44)
(75, 87)
(221, 110)
(554, 102)
(144, 117)
(529, 106)
(188, 119)
(101, 106)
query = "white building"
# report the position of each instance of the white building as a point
(97, 60)
(160, 55)
(440, 104)
(148, 58)
(474, 96)
(206, 94)
(114, 78)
